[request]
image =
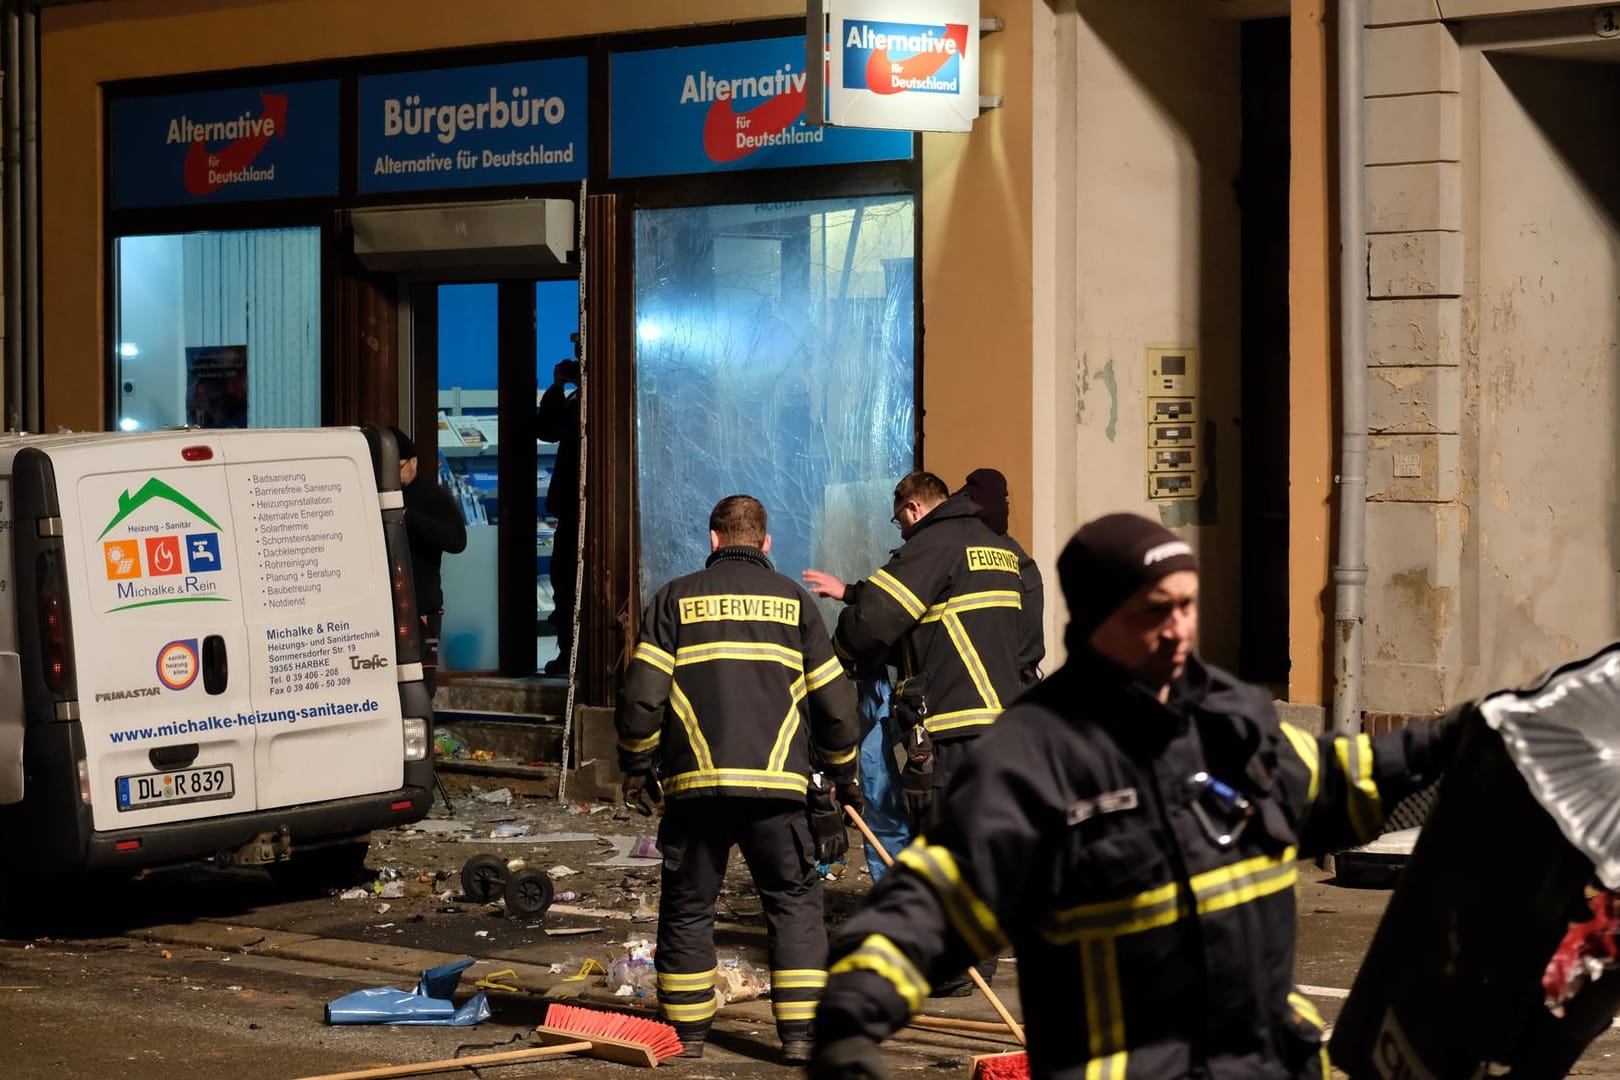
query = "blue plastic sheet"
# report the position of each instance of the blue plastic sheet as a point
(429, 1003)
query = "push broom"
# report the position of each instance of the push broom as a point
(1013, 1065)
(568, 1030)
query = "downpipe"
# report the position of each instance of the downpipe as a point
(1350, 570)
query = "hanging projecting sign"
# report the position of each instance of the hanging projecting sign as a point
(520, 123)
(260, 142)
(906, 64)
(738, 105)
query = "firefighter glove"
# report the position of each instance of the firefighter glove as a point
(827, 827)
(852, 1057)
(849, 794)
(917, 778)
(642, 792)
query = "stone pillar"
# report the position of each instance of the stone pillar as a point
(1415, 512)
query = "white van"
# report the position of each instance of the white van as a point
(208, 649)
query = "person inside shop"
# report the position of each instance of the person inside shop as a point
(1131, 827)
(735, 762)
(435, 528)
(558, 421)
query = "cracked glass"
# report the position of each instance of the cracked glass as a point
(775, 357)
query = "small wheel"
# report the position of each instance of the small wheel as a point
(482, 877)
(529, 893)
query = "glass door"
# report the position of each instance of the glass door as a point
(492, 352)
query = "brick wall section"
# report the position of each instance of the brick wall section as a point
(1415, 278)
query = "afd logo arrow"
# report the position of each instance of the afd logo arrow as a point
(885, 76)
(204, 167)
(770, 117)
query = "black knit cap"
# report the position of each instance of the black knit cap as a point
(1108, 560)
(407, 448)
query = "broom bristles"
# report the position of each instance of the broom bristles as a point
(659, 1038)
(1013, 1066)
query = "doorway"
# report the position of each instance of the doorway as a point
(482, 356)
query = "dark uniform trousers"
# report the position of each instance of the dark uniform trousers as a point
(697, 835)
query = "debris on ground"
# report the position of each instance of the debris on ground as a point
(500, 796)
(1589, 949)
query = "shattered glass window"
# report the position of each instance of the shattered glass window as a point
(775, 358)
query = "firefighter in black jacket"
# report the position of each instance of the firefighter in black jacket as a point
(952, 597)
(988, 488)
(1131, 827)
(716, 696)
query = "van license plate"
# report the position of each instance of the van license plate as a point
(181, 786)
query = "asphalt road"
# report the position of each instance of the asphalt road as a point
(204, 973)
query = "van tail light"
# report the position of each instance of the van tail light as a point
(84, 782)
(56, 654)
(407, 626)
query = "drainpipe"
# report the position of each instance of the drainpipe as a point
(32, 363)
(13, 239)
(1350, 572)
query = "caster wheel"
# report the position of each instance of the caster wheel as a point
(482, 878)
(529, 893)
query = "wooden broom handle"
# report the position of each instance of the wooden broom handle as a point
(448, 1064)
(978, 980)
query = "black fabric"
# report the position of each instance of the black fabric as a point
(950, 555)
(988, 488)
(407, 448)
(696, 837)
(1108, 560)
(558, 422)
(754, 662)
(1073, 825)
(563, 572)
(434, 527)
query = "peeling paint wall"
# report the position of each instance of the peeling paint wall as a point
(1157, 236)
(1542, 335)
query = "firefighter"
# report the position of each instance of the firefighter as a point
(952, 599)
(1131, 827)
(988, 488)
(713, 713)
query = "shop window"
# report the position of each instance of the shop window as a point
(219, 329)
(775, 357)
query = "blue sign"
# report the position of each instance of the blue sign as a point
(522, 123)
(259, 142)
(714, 108)
(894, 58)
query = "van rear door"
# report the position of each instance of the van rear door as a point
(319, 609)
(154, 572)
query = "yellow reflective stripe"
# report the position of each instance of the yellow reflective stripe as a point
(649, 653)
(739, 650)
(961, 718)
(750, 778)
(971, 661)
(794, 1010)
(840, 757)
(790, 726)
(1114, 918)
(798, 979)
(1306, 1008)
(686, 980)
(640, 746)
(1105, 1011)
(1366, 810)
(977, 601)
(969, 915)
(688, 1013)
(682, 708)
(1305, 746)
(879, 955)
(1214, 890)
(1111, 1067)
(824, 674)
(896, 588)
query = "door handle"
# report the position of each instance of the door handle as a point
(216, 669)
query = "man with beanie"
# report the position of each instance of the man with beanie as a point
(434, 527)
(1131, 827)
(988, 488)
(734, 703)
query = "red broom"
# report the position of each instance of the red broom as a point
(1013, 1065)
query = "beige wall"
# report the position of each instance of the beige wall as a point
(976, 203)
(1155, 238)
